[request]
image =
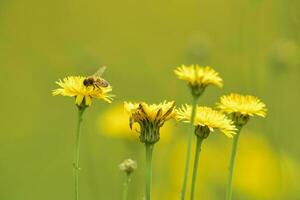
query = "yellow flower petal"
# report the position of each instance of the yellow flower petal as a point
(206, 116)
(196, 75)
(152, 112)
(73, 86)
(79, 99)
(243, 104)
(150, 118)
(88, 100)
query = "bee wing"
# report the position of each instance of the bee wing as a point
(99, 72)
(102, 83)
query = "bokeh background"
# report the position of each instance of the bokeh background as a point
(254, 44)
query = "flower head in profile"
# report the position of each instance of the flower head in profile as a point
(113, 123)
(128, 166)
(73, 86)
(241, 107)
(206, 121)
(150, 118)
(199, 77)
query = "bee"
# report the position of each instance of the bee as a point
(96, 80)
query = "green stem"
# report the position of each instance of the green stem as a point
(188, 148)
(231, 164)
(76, 151)
(195, 170)
(125, 189)
(149, 150)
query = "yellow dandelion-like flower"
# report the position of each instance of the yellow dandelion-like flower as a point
(199, 77)
(113, 123)
(73, 86)
(242, 104)
(240, 108)
(207, 117)
(150, 118)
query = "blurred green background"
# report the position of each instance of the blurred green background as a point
(254, 44)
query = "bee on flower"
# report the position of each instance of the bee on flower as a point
(85, 88)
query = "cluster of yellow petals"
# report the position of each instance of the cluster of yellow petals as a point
(206, 116)
(242, 104)
(199, 76)
(143, 112)
(73, 86)
(113, 123)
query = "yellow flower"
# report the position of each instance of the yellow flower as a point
(150, 118)
(73, 86)
(246, 105)
(199, 76)
(209, 118)
(113, 123)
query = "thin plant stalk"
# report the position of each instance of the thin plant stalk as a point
(125, 189)
(188, 148)
(77, 152)
(231, 164)
(149, 150)
(196, 162)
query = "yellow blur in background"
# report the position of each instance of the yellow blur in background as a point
(254, 44)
